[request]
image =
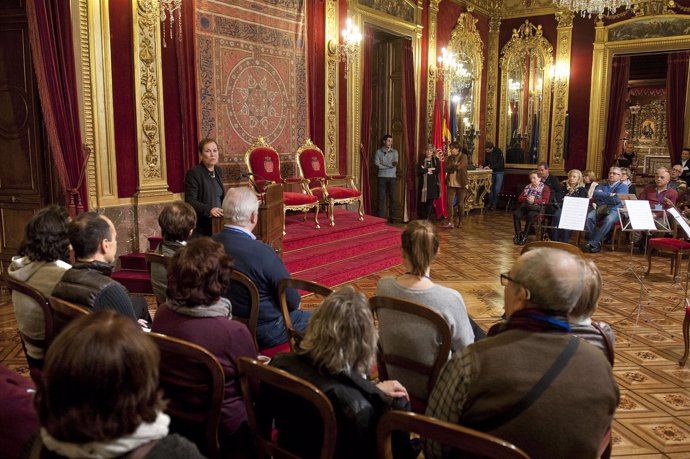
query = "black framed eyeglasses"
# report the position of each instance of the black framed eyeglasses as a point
(505, 278)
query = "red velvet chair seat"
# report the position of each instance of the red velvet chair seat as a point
(667, 243)
(677, 247)
(337, 192)
(312, 167)
(298, 199)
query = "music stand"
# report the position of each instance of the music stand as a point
(639, 218)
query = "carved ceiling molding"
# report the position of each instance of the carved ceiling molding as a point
(400, 9)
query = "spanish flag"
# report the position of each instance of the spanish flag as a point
(437, 141)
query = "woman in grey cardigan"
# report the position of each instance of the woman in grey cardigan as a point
(420, 244)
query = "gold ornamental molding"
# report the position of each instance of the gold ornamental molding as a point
(148, 101)
(362, 13)
(94, 90)
(492, 81)
(467, 45)
(331, 99)
(528, 38)
(561, 88)
(637, 35)
(431, 67)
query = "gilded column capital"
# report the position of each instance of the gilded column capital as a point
(564, 18)
(494, 24)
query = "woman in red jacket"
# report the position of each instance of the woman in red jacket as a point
(532, 198)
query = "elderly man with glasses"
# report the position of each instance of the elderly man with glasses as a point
(607, 203)
(531, 382)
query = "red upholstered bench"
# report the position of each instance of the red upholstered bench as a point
(676, 247)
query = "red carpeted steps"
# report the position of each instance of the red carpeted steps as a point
(133, 272)
(340, 254)
(331, 255)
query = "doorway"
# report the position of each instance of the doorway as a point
(387, 111)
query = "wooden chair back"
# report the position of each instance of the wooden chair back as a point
(253, 294)
(64, 312)
(553, 245)
(259, 383)
(299, 284)
(460, 438)
(25, 289)
(398, 363)
(152, 259)
(193, 382)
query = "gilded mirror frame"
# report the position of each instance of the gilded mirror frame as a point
(528, 38)
(466, 43)
(632, 36)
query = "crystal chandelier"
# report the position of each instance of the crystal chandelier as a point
(591, 8)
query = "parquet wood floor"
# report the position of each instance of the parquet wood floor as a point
(653, 418)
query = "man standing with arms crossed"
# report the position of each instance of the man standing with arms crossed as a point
(386, 160)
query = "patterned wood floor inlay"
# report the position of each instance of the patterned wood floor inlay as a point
(653, 418)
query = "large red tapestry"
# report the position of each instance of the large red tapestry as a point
(251, 73)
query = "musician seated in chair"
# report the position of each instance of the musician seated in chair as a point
(607, 205)
(532, 199)
(660, 197)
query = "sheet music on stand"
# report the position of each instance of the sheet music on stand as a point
(680, 220)
(574, 213)
(640, 214)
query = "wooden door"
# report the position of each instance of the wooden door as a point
(23, 187)
(387, 111)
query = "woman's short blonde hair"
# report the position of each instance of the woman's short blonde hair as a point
(341, 337)
(591, 291)
(581, 181)
(420, 244)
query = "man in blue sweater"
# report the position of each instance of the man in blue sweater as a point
(607, 205)
(262, 265)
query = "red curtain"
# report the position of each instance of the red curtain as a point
(367, 59)
(50, 34)
(187, 84)
(618, 98)
(676, 86)
(315, 70)
(409, 127)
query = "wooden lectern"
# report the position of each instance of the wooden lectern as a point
(269, 228)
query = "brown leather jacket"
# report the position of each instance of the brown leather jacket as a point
(455, 167)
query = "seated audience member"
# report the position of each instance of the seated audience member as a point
(660, 195)
(533, 197)
(261, 264)
(554, 186)
(574, 187)
(677, 183)
(598, 334)
(484, 386)
(336, 355)
(607, 205)
(195, 311)
(177, 221)
(99, 396)
(590, 179)
(88, 283)
(42, 260)
(18, 418)
(627, 157)
(626, 178)
(420, 245)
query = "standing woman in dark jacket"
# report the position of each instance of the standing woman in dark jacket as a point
(203, 187)
(428, 170)
(574, 187)
(335, 355)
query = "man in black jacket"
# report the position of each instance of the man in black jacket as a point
(494, 161)
(88, 282)
(554, 185)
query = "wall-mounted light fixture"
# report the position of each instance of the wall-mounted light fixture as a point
(349, 48)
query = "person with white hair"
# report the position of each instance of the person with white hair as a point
(531, 382)
(262, 265)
